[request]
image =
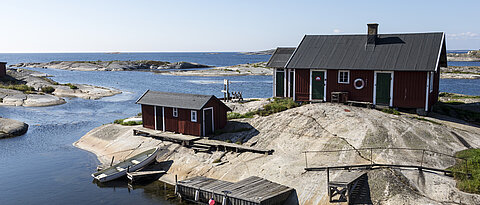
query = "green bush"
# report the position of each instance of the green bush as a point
(234, 115)
(20, 87)
(72, 86)
(472, 161)
(129, 123)
(391, 111)
(48, 89)
(278, 105)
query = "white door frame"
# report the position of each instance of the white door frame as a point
(375, 86)
(427, 91)
(213, 120)
(324, 86)
(291, 74)
(155, 115)
(163, 118)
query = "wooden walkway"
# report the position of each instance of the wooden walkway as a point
(139, 175)
(253, 190)
(198, 143)
(346, 186)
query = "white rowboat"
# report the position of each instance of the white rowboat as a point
(132, 164)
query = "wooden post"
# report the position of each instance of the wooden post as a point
(421, 162)
(111, 163)
(371, 158)
(328, 184)
(176, 188)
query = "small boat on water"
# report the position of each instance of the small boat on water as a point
(131, 164)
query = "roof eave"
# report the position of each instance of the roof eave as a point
(136, 102)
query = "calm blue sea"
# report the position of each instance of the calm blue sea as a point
(42, 166)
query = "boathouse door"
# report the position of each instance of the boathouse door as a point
(279, 83)
(158, 118)
(383, 83)
(317, 83)
(208, 126)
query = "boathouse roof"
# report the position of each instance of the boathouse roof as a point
(177, 100)
(280, 57)
(388, 52)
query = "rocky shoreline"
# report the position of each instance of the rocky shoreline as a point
(111, 65)
(22, 87)
(461, 72)
(236, 70)
(12, 128)
(322, 126)
(469, 56)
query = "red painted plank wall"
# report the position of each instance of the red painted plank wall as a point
(148, 116)
(363, 95)
(302, 84)
(409, 89)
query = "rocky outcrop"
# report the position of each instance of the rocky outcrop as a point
(460, 72)
(34, 89)
(11, 128)
(265, 52)
(236, 70)
(323, 126)
(111, 65)
(469, 56)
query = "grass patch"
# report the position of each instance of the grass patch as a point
(235, 115)
(464, 183)
(467, 115)
(426, 120)
(219, 132)
(454, 102)
(72, 86)
(48, 89)
(278, 105)
(228, 70)
(457, 96)
(459, 72)
(391, 111)
(20, 87)
(129, 123)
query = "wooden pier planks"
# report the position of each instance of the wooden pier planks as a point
(192, 141)
(252, 190)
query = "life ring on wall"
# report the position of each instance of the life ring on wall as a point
(358, 83)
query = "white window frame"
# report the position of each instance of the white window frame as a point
(175, 112)
(193, 116)
(348, 76)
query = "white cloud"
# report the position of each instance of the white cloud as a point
(466, 35)
(337, 30)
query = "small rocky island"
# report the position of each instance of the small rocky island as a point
(469, 56)
(22, 87)
(12, 128)
(115, 65)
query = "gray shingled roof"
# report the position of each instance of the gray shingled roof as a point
(280, 57)
(178, 100)
(407, 52)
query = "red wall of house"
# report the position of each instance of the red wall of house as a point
(409, 89)
(148, 116)
(3, 70)
(433, 97)
(302, 84)
(219, 113)
(363, 95)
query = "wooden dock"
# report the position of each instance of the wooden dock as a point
(345, 187)
(139, 175)
(198, 143)
(252, 191)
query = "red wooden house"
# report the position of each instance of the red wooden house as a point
(3, 69)
(191, 114)
(396, 70)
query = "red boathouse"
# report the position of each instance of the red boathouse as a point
(396, 70)
(191, 114)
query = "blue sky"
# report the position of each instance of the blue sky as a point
(146, 26)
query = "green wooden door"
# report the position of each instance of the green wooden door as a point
(318, 85)
(280, 84)
(383, 88)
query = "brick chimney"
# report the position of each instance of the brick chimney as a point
(372, 33)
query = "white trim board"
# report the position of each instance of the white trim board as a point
(375, 86)
(324, 82)
(427, 91)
